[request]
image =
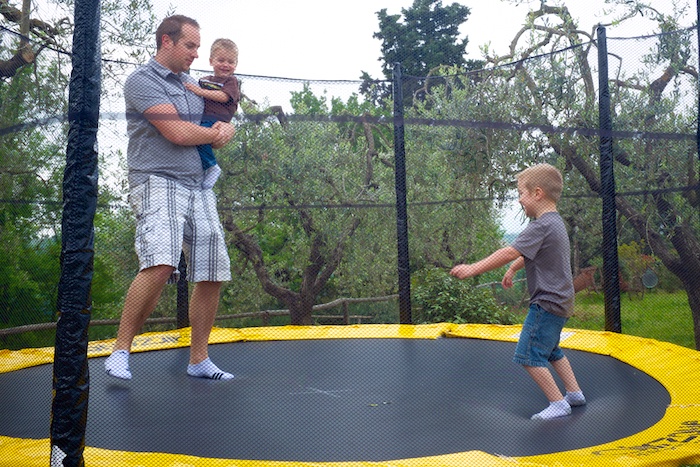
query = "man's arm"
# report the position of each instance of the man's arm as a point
(183, 133)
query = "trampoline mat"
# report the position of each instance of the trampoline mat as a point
(341, 400)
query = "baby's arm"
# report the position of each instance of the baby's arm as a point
(209, 94)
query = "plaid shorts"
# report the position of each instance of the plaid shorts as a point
(171, 219)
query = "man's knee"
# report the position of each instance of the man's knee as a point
(158, 273)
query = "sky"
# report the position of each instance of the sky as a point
(330, 40)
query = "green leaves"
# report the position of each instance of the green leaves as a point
(422, 38)
(439, 297)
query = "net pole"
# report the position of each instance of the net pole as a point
(697, 30)
(607, 191)
(401, 209)
(71, 379)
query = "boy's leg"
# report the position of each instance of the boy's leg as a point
(211, 175)
(206, 154)
(544, 379)
(212, 171)
(538, 344)
(558, 406)
(574, 396)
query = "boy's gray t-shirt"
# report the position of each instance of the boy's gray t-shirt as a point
(545, 246)
(149, 153)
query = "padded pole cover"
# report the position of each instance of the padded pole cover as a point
(71, 380)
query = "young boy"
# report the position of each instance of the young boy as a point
(543, 249)
(221, 95)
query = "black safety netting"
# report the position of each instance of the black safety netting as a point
(349, 201)
(308, 185)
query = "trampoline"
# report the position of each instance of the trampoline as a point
(379, 395)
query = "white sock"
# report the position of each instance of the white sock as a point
(575, 399)
(556, 409)
(117, 364)
(207, 369)
(211, 175)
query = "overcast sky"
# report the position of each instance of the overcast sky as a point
(331, 40)
(327, 39)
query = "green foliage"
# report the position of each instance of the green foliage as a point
(301, 172)
(439, 297)
(32, 158)
(423, 37)
(632, 262)
(115, 261)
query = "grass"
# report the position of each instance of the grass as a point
(658, 315)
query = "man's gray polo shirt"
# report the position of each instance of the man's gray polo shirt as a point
(149, 153)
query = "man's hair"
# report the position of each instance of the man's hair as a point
(172, 27)
(225, 44)
(545, 176)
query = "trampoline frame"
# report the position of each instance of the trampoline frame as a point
(674, 440)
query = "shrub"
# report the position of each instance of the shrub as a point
(439, 297)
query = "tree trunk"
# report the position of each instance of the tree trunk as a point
(300, 312)
(692, 287)
(320, 267)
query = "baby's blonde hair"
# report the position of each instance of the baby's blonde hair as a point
(545, 176)
(224, 44)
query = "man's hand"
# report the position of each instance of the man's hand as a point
(226, 132)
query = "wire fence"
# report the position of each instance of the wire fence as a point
(310, 177)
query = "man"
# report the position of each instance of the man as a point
(173, 213)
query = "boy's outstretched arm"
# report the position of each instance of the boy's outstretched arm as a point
(495, 260)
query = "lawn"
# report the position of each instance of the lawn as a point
(658, 315)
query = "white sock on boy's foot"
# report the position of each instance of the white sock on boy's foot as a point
(211, 175)
(207, 369)
(555, 410)
(117, 364)
(575, 398)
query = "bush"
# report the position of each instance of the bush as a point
(439, 297)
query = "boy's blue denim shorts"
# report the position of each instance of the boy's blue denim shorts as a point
(539, 339)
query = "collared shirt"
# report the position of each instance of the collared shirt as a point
(148, 152)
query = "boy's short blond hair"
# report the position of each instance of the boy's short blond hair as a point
(545, 176)
(224, 44)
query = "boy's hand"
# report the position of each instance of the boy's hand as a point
(194, 88)
(507, 281)
(462, 271)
